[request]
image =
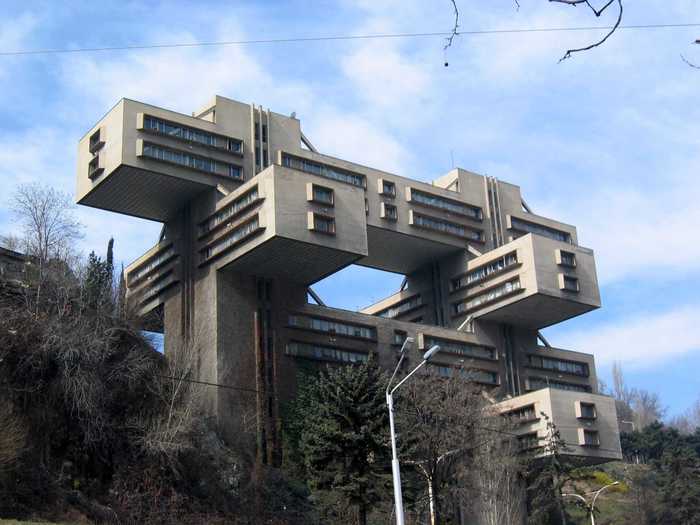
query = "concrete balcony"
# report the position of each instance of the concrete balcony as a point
(587, 423)
(531, 282)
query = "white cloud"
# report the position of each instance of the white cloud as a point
(642, 341)
(14, 35)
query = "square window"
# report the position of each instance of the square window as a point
(568, 283)
(586, 411)
(322, 195)
(321, 223)
(590, 438)
(387, 188)
(565, 258)
(96, 141)
(389, 212)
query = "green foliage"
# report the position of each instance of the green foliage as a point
(99, 277)
(679, 486)
(545, 479)
(344, 436)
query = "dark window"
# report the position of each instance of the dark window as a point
(568, 259)
(323, 195)
(588, 411)
(570, 283)
(388, 188)
(390, 212)
(539, 229)
(591, 438)
(324, 224)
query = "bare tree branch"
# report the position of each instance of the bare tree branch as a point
(597, 12)
(454, 33)
(689, 62)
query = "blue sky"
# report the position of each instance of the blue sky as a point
(608, 141)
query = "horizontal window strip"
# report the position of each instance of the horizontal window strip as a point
(189, 134)
(470, 374)
(323, 170)
(461, 348)
(145, 269)
(188, 160)
(558, 365)
(324, 353)
(484, 272)
(447, 227)
(539, 229)
(537, 383)
(404, 306)
(333, 327)
(487, 297)
(443, 203)
(229, 211)
(231, 239)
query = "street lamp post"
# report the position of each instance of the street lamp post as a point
(395, 469)
(591, 508)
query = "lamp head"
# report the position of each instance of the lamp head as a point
(406, 342)
(431, 352)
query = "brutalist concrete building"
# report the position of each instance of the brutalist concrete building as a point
(253, 215)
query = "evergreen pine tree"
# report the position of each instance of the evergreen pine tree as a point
(344, 439)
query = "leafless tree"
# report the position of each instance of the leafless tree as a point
(13, 438)
(11, 242)
(689, 421)
(439, 417)
(169, 431)
(647, 408)
(498, 467)
(49, 226)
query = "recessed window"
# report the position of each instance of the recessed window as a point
(321, 223)
(538, 229)
(387, 188)
(366, 207)
(96, 141)
(319, 194)
(589, 438)
(94, 168)
(558, 365)
(389, 212)
(586, 411)
(399, 337)
(565, 258)
(528, 441)
(568, 283)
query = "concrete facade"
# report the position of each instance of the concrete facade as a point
(253, 216)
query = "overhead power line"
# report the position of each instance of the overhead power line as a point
(29, 52)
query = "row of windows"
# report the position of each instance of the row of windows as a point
(484, 271)
(323, 170)
(440, 225)
(332, 327)
(324, 353)
(434, 201)
(459, 348)
(539, 229)
(156, 289)
(523, 414)
(558, 365)
(232, 238)
(229, 211)
(191, 134)
(537, 383)
(398, 309)
(487, 297)
(470, 374)
(153, 263)
(188, 160)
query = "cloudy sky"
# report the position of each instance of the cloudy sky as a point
(608, 140)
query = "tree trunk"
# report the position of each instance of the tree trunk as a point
(361, 515)
(431, 500)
